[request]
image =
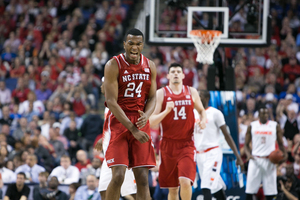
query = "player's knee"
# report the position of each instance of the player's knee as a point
(173, 191)
(141, 176)
(118, 176)
(185, 183)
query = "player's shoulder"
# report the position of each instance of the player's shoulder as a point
(256, 122)
(271, 122)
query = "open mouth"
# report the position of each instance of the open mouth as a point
(133, 54)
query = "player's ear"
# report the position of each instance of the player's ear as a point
(168, 77)
(183, 75)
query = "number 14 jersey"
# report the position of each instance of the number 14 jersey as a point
(134, 84)
(179, 123)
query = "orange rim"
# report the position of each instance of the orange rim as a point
(205, 33)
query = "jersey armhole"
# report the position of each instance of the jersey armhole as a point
(117, 59)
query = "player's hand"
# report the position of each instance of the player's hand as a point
(239, 162)
(99, 145)
(141, 136)
(250, 157)
(201, 124)
(142, 121)
(170, 106)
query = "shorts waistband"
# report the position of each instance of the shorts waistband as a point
(261, 156)
(207, 150)
(176, 140)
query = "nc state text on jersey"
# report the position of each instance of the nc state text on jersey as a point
(182, 102)
(132, 77)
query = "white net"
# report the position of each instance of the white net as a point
(205, 42)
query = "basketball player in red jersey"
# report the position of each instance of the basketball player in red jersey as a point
(174, 110)
(130, 90)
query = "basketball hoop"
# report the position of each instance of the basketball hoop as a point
(205, 41)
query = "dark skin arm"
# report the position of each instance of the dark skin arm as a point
(247, 144)
(280, 143)
(111, 74)
(232, 145)
(149, 108)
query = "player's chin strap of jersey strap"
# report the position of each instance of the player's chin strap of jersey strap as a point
(207, 150)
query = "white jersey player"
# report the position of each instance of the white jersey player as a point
(263, 134)
(129, 185)
(209, 154)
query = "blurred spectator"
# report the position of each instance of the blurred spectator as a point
(72, 190)
(6, 134)
(42, 186)
(77, 97)
(287, 191)
(66, 173)
(92, 169)
(250, 109)
(69, 116)
(31, 169)
(190, 72)
(91, 128)
(63, 139)
(52, 191)
(38, 105)
(18, 134)
(18, 190)
(43, 93)
(21, 91)
(30, 113)
(83, 160)
(5, 119)
(289, 122)
(17, 69)
(72, 134)
(43, 154)
(57, 145)
(7, 175)
(5, 93)
(88, 191)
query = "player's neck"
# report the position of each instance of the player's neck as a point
(176, 88)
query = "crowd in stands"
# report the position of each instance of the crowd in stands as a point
(52, 57)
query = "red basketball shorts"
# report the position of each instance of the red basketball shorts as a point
(124, 149)
(177, 161)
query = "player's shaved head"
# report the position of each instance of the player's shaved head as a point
(135, 32)
(204, 94)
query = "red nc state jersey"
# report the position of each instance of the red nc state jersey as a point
(134, 84)
(179, 123)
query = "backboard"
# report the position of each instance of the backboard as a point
(244, 23)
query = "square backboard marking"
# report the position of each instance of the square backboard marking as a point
(225, 10)
(226, 41)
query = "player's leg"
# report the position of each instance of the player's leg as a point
(200, 159)
(141, 178)
(185, 188)
(103, 194)
(250, 197)
(173, 193)
(254, 178)
(186, 170)
(269, 179)
(114, 187)
(220, 195)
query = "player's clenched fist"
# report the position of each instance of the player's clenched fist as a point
(169, 106)
(201, 124)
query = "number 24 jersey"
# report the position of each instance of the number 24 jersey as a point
(134, 84)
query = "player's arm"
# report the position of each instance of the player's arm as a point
(247, 148)
(280, 142)
(199, 107)
(232, 145)
(150, 105)
(111, 84)
(157, 116)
